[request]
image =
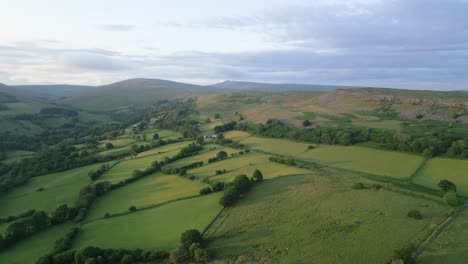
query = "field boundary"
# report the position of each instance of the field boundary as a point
(419, 169)
(441, 228)
(212, 221)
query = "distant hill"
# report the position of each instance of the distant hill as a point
(275, 87)
(53, 91)
(135, 92)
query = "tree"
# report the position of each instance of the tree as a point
(189, 237)
(451, 198)
(132, 208)
(242, 183)
(230, 196)
(200, 140)
(156, 136)
(127, 259)
(109, 145)
(221, 155)
(306, 123)
(446, 185)
(217, 116)
(258, 175)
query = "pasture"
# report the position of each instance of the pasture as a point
(245, 164)
(209, 151)
(322, 219)
(163, 149)
(18, 155)
(450, 246)
(156, 228)
(368, 160)
(32, 248)
(151, 190)
(58, 188)
(437, 169)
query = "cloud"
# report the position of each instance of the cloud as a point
(115, 27)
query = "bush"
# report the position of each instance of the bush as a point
(219, 172)
(221, 155)
(206, 190)
(109, 145)
(306, 123)
(217, 187)
(405, 254)
(189, 237)
(451, 198)
(179, 255)
(415, 214)
(359, 186)
(127, 259)
(132, 208)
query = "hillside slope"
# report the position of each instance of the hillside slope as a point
(135, 92)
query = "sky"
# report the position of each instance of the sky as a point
(414, 44)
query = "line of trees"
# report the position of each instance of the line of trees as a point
(435, 143)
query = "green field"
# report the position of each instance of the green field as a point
(437, 169)
(59, 188)
(32, 248)
(157, 228)
(167, 148)
(118, 142)
(153, 189)
(18, 155)
(450, 246)
(124, 169)
(245, 164)
(368, 160)
(319, 218)
(209, 151)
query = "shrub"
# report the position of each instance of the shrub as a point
(178, 255)
(206, 190)
(217, 187)
(219, 172)
(306, 123)
(415, 214)
(189, 237)
(310, 147)
(451, 198)
(406, 254)
(359, 186)
(132, 208)
(109, 145)
(127, 259)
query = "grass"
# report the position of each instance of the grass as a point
(368, 160)
(245, 164)
(118, 142)
(209, 151)
(383, 124)
(154, 189)
(438, 169)
(59, 188)
(163, 149)
(124, 169)
(32, 248)
(319, 218)
(18, 155)
(236, 135)
(450, 246)
(157, 228)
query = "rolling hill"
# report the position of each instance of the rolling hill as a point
(135, 92)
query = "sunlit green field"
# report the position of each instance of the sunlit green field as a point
(437, 169)
(319, 218)
(59, 188)
(32, 248)
(450, 246)
(245, 164)
(368, 160)
(151, 190)
(158, 228)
